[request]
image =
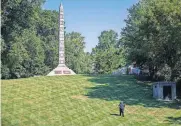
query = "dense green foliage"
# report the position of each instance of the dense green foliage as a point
(107, 54)
(29, 41)
(22, 54)
(152, 37)
(75, 56)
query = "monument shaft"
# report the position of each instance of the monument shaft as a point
(61, 69)
(61, 37)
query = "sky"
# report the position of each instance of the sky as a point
(91, 17)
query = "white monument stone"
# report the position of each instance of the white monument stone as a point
(61, 69)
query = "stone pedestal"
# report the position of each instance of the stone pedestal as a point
(61, 70)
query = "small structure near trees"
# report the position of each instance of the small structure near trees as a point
(164, 90)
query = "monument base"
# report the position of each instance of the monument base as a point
(61, 69)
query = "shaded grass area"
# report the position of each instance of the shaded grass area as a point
(127, 89)
(174, 119)
(82, 101)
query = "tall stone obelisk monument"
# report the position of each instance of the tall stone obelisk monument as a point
(61, 69)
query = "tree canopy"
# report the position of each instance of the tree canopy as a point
(29, 41)
(152, 36)
(107, 55)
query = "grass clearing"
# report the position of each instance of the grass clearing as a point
(83, 101)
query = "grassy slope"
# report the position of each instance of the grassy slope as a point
(82, 101)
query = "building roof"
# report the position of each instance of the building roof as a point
(164, 83)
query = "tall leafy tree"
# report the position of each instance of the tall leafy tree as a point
(107, 54)
(47, 30)
(75, 56)
(17, 17)
(151, 35)
(26, 56)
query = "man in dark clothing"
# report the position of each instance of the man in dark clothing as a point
(121, 108)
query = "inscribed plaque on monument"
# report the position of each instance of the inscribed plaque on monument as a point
(66, 72)
(58, 72)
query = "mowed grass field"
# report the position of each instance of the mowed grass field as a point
(83, 101)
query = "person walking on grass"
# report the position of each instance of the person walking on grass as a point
(121, 108)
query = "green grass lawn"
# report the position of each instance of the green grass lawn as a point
(83, 101)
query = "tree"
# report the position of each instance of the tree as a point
(47, 30)
(107, 54)
(18, 17)
(75, 57)
(26, 56)
(152, 35)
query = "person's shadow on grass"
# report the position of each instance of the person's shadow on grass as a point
(115, 114)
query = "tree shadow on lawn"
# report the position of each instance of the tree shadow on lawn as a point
(174, 120)
(125, 88)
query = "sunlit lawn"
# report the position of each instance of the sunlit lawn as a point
(83, 101)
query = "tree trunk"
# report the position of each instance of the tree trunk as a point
(151, 72)
(172, 77)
